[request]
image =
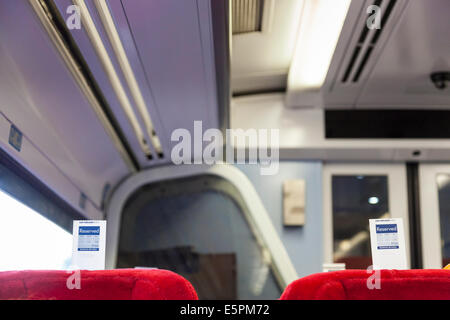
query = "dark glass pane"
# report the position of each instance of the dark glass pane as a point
(444, 214)
(356, 199)
(194, 229)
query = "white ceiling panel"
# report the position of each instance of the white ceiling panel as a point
(260, 60)
(412, 43)
(419, 46)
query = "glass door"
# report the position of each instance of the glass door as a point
(435, 214)
(353, 194)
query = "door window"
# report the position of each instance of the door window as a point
(443, 182)
(355, 200)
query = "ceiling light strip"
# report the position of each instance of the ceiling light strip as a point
(42, 13)
(320, 27)
(114, 38)
(108, 66)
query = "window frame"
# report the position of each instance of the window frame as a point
(397, 194)
(257, 216)
(429, 213)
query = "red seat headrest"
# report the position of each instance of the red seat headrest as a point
(352, 285)
(119, 284)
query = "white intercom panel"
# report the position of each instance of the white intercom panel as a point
(294, 202)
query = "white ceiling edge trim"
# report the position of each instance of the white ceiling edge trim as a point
(257, 214)
(259, 81)
(302, 134)
(113, 77)
(114, 38)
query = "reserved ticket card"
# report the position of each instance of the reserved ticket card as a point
(89, 240)
(387, 239)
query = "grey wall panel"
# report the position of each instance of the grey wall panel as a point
(303, 244)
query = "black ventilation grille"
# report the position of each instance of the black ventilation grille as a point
(361, 56)
(247, 16)
(387, 124)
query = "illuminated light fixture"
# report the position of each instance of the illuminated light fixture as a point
(320, 26)
(114, 38)
(108, 66)
(374, 200)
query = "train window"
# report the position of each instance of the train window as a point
(30, 241)
(355, 200)
(443, 181)
(197, 227)
(17, 181)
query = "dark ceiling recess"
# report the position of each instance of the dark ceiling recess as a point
(247, 16)
(387, 124)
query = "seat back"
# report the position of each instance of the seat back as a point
(364, 285)
(119, 284)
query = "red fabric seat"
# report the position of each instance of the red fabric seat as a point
(352, 285)
(120, 284)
